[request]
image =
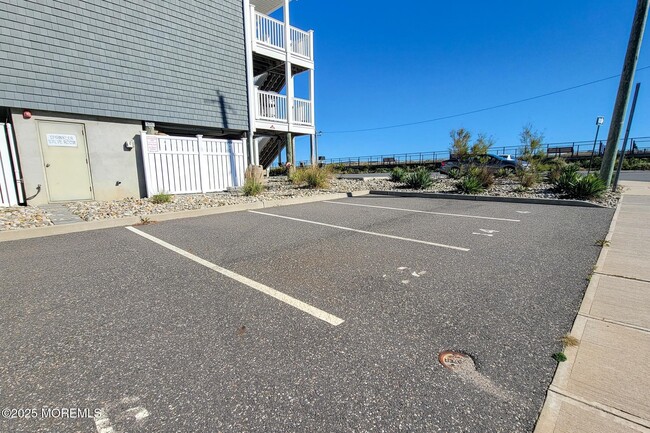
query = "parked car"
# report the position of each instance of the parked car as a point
(492, 162)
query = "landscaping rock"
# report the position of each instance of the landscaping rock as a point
(277, 188)
(24, 217)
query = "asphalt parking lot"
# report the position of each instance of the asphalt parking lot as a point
(326, 316)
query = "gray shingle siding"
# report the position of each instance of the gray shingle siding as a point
(175, 61)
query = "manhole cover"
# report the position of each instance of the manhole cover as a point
(456, 361)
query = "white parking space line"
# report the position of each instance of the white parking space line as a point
(362, 231)
(424, 211)
(302, 306)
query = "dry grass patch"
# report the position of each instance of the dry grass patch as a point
(569, 340)
(312, 177)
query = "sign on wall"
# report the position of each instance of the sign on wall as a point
(152, 144)
(61, 140)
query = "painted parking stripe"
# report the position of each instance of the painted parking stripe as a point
(424, 211)
(362, 231)
(302, 306)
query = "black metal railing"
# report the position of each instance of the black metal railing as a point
(639, 146)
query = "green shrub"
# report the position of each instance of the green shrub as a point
(481, 145)
(571, 183)
(567, 177)
(312, 177)
(161, 198)
(397, 174)
(542, 167)
(419, 179)
(470, 184)
(587, 187)
(455, 173)
(595, 164)
(532, 142)
(528, 178)
(635, 164)
(363, 168)
(484, 175)
(252, 187)
(555, 170)
(278, 171)
(459, 142)
(502, 172)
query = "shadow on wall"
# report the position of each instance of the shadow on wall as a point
(224, 108)
(139, 162)
(222, 105)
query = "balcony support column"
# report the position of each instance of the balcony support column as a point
(256, 147)
(291, 159)
(312, 145)
(312, 106)
(249, 39)
(287, 63)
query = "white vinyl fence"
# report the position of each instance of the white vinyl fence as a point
(8, 195)
(182, 165)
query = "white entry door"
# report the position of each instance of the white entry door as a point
(65, 157)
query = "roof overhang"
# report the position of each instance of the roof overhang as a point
(267, 7)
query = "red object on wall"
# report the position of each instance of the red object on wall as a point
(27, 114)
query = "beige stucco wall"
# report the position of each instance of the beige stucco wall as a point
(110, 162)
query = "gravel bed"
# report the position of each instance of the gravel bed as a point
(277, 188)
(23, 217)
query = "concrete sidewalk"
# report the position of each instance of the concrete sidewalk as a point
(604, 386)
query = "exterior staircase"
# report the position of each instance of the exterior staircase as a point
(270, 77)
(269, 149)
(271, 80)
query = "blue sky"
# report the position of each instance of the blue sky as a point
(385, 63)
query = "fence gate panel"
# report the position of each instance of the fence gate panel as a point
(184, 165)
(8, 194)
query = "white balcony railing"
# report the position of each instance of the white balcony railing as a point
(300, 43)
(302, 112)
(271, 106)
(269, 32)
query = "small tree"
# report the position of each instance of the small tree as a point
(532, 141)
(482, 145)
(460, 142)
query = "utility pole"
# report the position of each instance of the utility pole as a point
(627, 134)
(624, 89)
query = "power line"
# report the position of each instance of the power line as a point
(480, 110)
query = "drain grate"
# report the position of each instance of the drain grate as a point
(456, 361)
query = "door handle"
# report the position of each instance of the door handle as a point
(47, 165)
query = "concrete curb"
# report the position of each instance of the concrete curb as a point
(361, 177)
(14, 235)
(451, 196)
(550, 412)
